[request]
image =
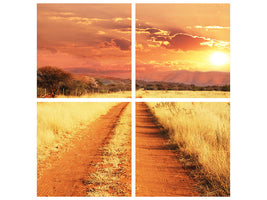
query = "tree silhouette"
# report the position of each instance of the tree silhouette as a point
(52, 78)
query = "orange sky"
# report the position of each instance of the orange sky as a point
(173, 37)
(93, 38)
(96, 38)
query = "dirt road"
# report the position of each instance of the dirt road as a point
(67, 176)
(158, 172)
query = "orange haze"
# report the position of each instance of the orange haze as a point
(174, 38)
(85, 38)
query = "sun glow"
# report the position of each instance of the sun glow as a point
(219, 58)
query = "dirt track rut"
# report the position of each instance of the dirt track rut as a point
(158, 172)
(67, 176)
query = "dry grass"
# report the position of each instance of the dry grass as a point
(202, 132)
(123, 94)
(181, 94)
(113, 173)
(57, 123)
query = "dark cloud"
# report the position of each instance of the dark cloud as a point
(143, 26)
(161, 38)
(123, 44)
(173, 31)
(149, 30)
(185, 42)
(177, 38)
(152, 30)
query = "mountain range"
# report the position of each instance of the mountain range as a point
(187, 77)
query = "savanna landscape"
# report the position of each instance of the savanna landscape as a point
(83, 50)
(184, 52)
(183, 149)
(83, 149)
(181, 94)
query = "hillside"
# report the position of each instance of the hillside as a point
(103, 80)
(187, 77)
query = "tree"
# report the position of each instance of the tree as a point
(52, 78)
(226, 88)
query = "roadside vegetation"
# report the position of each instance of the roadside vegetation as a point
(113, 173)
(122, 94)
(180, 94)
(156, 85)
(55, 82)
(201, 132)
(57, 123)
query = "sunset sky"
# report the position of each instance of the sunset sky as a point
(85, 38)
(178, 37)
(170, 39)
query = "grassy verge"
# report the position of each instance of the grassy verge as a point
(202, 133)
(123, 94)
(113, 172)
(181, 94)
(57, 123)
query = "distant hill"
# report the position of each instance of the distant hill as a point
(105, 80)
(111, 80)
(188, 77)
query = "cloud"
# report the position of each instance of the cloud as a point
(209, 27)
(141, 26)
(70, 29)
(123, 23)
(160, 38)
(185, 42)
(178, 39)
(114, 23)
(122, 44)
(173, 38)
(152, 30)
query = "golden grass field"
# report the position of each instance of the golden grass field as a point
(58, 122)
(117, 156)
(181, 94)
(123, 94)
(201, 130)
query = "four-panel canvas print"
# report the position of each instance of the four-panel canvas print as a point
(88, 148)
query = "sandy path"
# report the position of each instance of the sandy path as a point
(158, 172)
(68, 175)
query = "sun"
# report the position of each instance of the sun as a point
(219, 58)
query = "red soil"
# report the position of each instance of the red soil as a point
(158, 171)
(68, 174)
